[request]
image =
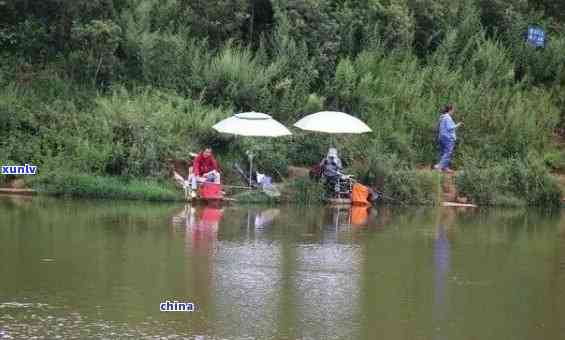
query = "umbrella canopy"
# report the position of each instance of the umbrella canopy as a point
(332, 122)
(253, 124)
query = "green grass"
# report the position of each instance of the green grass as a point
(303, 191)
(83, 185)
(511, 182)
(411, 187)
(555, 160)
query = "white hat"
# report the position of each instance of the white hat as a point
(332, 152)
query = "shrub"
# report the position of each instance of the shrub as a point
(513, 181)
(304, 191)
(148, 126)
(235, 77)
(412, 186)
(397, 182)
(555, 160)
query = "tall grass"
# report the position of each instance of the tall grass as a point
(83, 185)
(511, 182)
(303, 191)
(127, 132)
(400, 100)
(400, 183)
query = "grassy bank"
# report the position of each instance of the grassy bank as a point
(413, 187)
(89, 186)
(511, 184)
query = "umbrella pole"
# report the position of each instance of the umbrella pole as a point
(250, 155)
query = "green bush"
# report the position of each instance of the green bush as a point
(147, 126)
(555, 160)
(412, 186)
(304, 191)
(512, 182)
(397, 181)
(127, 132)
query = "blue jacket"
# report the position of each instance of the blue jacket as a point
(447, 128)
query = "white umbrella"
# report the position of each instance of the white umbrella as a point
(332, 122)
(252, 124)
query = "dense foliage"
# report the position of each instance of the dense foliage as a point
(117, 87)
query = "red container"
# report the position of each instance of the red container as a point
(210, 191)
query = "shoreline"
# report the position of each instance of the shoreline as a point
(298, 190)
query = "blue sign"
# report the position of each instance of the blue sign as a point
(536, 36)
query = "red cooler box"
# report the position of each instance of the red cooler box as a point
(210, 191)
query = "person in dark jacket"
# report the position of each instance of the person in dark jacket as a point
(331, 167)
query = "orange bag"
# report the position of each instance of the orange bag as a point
(360, 194)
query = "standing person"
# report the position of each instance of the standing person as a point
(446, 138)
(205, 169)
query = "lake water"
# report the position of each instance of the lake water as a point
(101, 269)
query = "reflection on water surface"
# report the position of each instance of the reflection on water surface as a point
(99, 269)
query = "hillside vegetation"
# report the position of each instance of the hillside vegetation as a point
(117, 87)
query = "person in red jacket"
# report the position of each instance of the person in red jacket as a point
(204, 169)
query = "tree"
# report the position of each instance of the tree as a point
(311, 22)
(218, 20)
(96, 44)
